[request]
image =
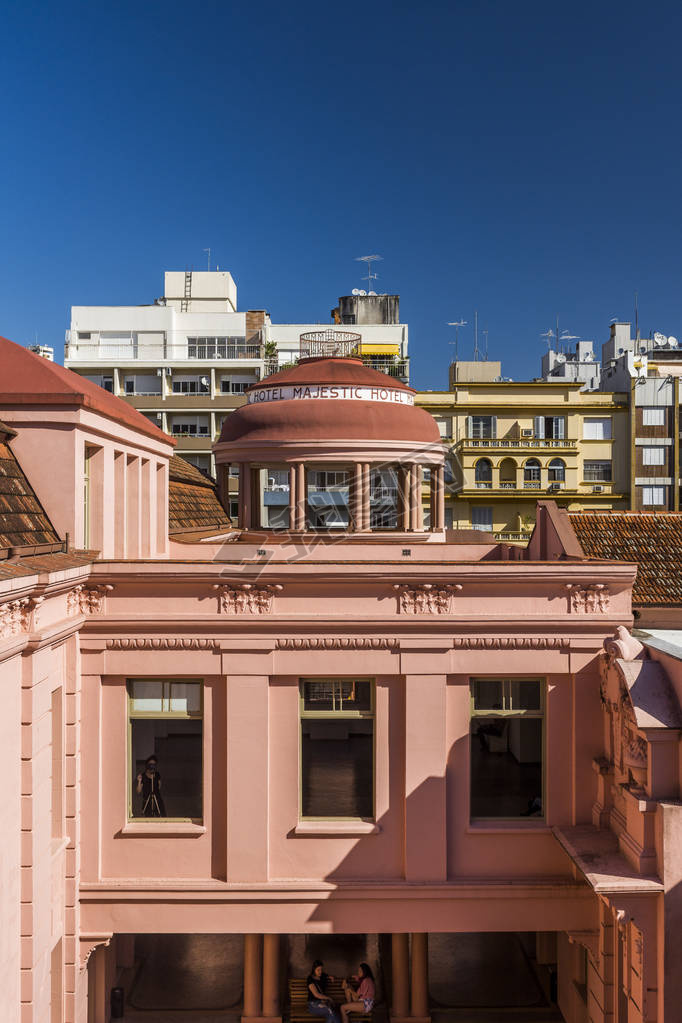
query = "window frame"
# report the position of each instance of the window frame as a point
(647, 414)
(334, 715)
(605, 421)
(510, 714)
(590, 466)
(156, 716)
(648, 450)
(654, 488)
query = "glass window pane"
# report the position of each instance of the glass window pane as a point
(488, 695)
(174, 787)
(185, 697)
(525, 696)
(337, 767)
(506, 767)
(318, 695)
(355, 695)
(147, 697)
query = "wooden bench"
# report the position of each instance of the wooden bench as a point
(298, 1001)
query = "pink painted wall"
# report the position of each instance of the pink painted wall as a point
(10, 856)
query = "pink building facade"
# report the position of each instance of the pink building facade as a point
(363, 724)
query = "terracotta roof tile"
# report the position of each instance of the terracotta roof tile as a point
(193, 499)
(23, 522)
(651, 539)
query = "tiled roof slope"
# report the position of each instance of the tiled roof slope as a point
(651, 539)
(192, 499)
(23, 522)
(27, 377)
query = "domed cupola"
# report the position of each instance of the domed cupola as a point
(333, 445)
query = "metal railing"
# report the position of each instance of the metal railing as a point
(160, 352)
(507, 534)
(532, 485)
(484, 484)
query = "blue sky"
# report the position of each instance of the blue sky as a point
(520, 158)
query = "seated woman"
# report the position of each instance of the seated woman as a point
(319, 1003)
(360, 999)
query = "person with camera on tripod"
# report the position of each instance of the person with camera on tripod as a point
(149, 787)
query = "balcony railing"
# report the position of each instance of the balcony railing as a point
(512, 535)
(532, 485)
(484, 484)
(517, 443)
(160, 352)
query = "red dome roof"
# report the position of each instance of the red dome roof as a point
(25, 377)
(291, 419)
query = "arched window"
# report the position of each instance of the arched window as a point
(531, 471)
(557, 471)
(484, 473)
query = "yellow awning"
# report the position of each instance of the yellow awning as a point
(367, 349)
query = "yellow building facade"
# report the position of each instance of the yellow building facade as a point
(514, 442)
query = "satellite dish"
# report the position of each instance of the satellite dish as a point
(588, 356)
(204, 381)
(361, 292)
(355, 291)
(660, 339)
(673, 342)
(371, 292)
(642, 349)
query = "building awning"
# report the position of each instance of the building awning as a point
(387, 349)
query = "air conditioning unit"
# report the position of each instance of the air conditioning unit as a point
(555, 485)
(527, 433)
(597, 489)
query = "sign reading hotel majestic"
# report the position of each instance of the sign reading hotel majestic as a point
(338, 392)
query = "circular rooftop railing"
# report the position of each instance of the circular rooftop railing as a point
(329, 342)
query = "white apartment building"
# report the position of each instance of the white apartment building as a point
(185, 360)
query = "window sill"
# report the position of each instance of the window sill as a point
(336, 828)
(536, 826)
(169, 829)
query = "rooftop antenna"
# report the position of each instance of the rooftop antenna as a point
(208, 259)
(456, 324)
(368, 260)
(475, 335)
(636, 318)
(560, 336)
(485, 333)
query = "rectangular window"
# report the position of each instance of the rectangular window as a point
(191, 385)
(507, 748)
(482, 518)
(653, 416)
(130, 385)
(597, 472)
(165, 749)
(653, 495)
(597, 429)
(337, 748)
(653, 456)
(482, 427)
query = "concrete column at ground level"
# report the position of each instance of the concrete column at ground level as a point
(440, 498)
(416, 490)
(271, 976)
(100, 964)
(405, 500)
(356, 490)
(300, 497)
(425, 755)
(366, 512)
(292, 497)
(420, 977)
(253, 963)
(400, 976)
(247, 757)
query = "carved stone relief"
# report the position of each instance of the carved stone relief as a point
(246, 598)
(20, 616)
(593, 599)
(87, 600)
(426, 598)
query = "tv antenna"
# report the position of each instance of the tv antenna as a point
(560, 336)
(475, 335)
(485, 334)
(208, 259)
(368, 261)
(456, 324)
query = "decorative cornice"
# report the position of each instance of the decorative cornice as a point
(86, 599)
(510, 642)
(19, 617)
(161, 643)
(246, 598)
(591, 599)
(425, 598)
(337, 643)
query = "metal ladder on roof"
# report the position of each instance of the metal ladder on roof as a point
(184, 304)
